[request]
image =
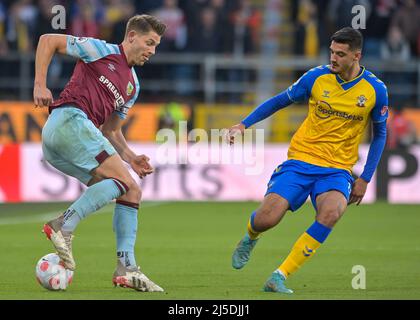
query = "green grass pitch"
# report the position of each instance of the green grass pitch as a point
(186, 248)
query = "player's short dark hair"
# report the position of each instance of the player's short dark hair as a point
(349, 36)
(144, 23)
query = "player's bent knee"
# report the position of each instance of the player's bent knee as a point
(130, 190)
(123, 186)
(266, 218)
(134, 193)
(329, 217)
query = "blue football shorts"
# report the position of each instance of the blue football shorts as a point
(296, 180)
(72, 144)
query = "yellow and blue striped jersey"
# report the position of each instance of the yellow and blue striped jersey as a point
(339, 112)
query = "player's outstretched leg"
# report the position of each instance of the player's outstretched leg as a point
(60, 230)
(276, 283)
(243, 250)
(133, 278)
(271, 211)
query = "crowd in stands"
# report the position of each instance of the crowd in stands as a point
(232, 27)
(218, 26)
(392, 28)
(193, 25)
(391, 35)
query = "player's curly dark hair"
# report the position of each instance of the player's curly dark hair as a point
(145, 23)
(350, 36)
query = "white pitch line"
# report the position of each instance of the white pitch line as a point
(38, 218)
(52, 214)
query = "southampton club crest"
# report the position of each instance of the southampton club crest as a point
(361, 101)
(130, 88)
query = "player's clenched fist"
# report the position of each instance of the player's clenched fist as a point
(42, 96)
(233, 131)
(141, 166)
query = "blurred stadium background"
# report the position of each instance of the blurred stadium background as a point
(217, 61)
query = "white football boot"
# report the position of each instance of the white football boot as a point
(134, 279)
(62, 241)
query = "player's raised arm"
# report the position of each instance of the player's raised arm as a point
(260, 113)
(48, 45)
(297, 92)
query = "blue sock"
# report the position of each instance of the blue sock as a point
(125, 228)
(94, 198)
(318, 231)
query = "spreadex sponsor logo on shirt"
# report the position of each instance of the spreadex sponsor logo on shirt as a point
(119, 100)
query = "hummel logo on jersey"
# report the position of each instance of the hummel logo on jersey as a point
(307, 251)
(361, 101)
(326, 94)
(111, 67)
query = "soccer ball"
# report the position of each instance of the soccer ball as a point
(51, 274)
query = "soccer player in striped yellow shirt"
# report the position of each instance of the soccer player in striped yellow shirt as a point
(343, 98)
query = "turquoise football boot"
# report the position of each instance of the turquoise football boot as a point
(242, 252)
(276, 284)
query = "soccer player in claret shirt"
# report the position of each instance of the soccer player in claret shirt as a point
(82, 136)
(343, 98)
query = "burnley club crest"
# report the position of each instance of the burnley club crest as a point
(130, 88)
